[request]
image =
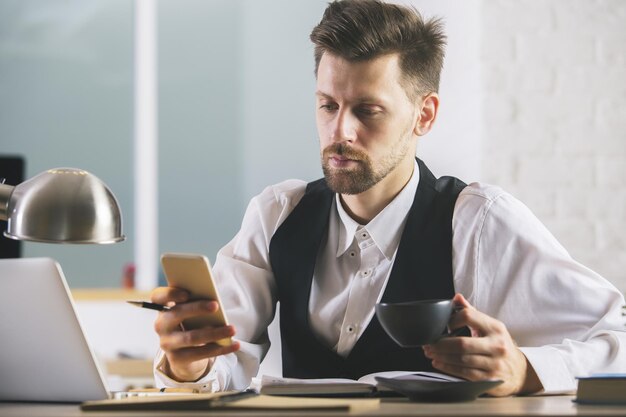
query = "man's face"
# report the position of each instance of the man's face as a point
(365, 121)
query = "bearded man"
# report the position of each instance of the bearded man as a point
(381, 227)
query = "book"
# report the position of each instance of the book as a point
(606, 389)
(364, 386)
(232, 400)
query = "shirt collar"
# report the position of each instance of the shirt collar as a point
(391, 218)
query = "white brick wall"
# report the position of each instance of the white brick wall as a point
(554, 73)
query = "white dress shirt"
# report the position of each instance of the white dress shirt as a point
(565, 318)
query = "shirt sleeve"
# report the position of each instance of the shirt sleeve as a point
(245, 280)
(565, 317)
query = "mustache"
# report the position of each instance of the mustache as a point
(341, 149)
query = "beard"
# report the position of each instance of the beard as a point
(364, 175)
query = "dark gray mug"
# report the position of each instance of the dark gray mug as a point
(415, 323)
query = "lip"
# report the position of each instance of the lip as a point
(341, 161)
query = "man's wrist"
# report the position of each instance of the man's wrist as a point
(186, 377)
(531, 384)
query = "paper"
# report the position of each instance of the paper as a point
(267, 402)
(228, 400)
(366, 385)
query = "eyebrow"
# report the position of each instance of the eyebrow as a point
(363, 99)
(323, 95)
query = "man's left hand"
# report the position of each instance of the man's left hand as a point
(490, 353)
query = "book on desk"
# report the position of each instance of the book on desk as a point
(367, 385)
(228, 400)
(602, 389)
(277, 393)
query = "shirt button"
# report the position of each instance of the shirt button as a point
(353, 253)
(350, 329)
(364, 235)
(366, 273)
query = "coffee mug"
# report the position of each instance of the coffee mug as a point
(416, 323)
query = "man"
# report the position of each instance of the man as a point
(381, 227)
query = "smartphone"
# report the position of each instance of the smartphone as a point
(192, 273)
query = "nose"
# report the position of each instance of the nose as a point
(344, 127)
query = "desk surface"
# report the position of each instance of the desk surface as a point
(512, 406)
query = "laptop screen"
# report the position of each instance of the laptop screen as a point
(44, 355)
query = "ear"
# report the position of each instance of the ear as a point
(427, 114)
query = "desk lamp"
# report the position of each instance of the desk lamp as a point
(61, 205)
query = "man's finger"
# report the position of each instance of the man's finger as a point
(477, 362)
(460, 345)
(193, 354)
(170, 321)
(194, 338)
(470, 374)
(460, 301)
(191, 309)
(480, 322)
(167, 295)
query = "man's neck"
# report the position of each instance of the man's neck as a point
(365, 206)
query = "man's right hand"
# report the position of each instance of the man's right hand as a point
(189, 353)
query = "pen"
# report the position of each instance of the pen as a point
(151, 306)
(152, 392)
(176, 390)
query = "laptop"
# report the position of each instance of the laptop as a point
(44, 355)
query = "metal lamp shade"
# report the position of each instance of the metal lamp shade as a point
(64, 205)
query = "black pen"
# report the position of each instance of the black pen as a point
(151, 306)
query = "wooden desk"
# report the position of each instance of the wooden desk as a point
(483, 407)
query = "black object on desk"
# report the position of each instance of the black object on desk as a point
(418, 389)
(12, 171)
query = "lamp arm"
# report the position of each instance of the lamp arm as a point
(5, 195)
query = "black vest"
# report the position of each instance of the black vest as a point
(422, 270)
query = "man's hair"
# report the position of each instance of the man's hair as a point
(359, 30)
